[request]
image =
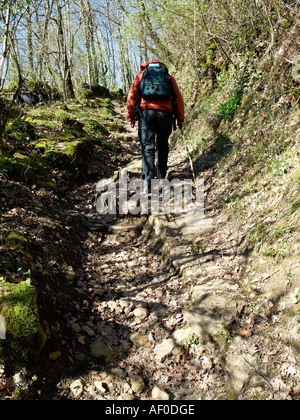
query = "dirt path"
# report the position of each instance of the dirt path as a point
(161, 310)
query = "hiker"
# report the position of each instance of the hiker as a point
(155, 101)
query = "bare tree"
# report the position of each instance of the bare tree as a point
(68, 88)
(5, 47)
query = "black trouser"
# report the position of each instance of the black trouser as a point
(155, 128)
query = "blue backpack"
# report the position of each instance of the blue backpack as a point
(156, 83)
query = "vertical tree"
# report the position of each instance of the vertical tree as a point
(68, 88)
(43, 50)
(87, 39)
(9, 16)
(144, 16)
(5, 18)
(30, 48)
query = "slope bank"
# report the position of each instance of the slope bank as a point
(49, 150)
(243, 133)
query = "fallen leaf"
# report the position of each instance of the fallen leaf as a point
(81, 339)
(245, 333)
(207, 363)
(112, 358)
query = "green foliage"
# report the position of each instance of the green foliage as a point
(228, 109)
(24, 335)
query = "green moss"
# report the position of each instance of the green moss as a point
(12, 168)
(96, 127)
(87, 94)
(117, 127)
(110, 146)
(65, 150)
(24, 335)
(296, 176)
(210, 53)
(16, 241)
(44, 144)
(78, 149)
(20, 131)
(22, 167)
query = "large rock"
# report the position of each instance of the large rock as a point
(77, 388)
(137, 384)
(159, 394)
(99, 349)
(164, 349)
(210, 313)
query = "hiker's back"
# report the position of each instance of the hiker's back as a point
(156, 83)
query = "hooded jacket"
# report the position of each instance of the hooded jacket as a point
(158, 104)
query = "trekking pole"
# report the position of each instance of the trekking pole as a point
(189, 155)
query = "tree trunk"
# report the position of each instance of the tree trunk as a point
(5, 47)
(3, 57)
(1, 128)
(67, 76)
(42, 60)
(93, 46)
(152, 33)
(87, 40)
(29, 45)
(103, 60)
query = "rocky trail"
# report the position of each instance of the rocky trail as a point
(161, 309)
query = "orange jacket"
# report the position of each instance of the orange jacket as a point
(161, 105)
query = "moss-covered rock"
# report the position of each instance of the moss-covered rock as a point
(96, 127)
(20, 130)
(65, 151)
(24, 336)
(118, 94)
(95, 92)
(22, 166)
(12, 168)
(73, 125)
(87, 94)
(16, 241)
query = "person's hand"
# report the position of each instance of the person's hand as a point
(180, 125)
(132, 124)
